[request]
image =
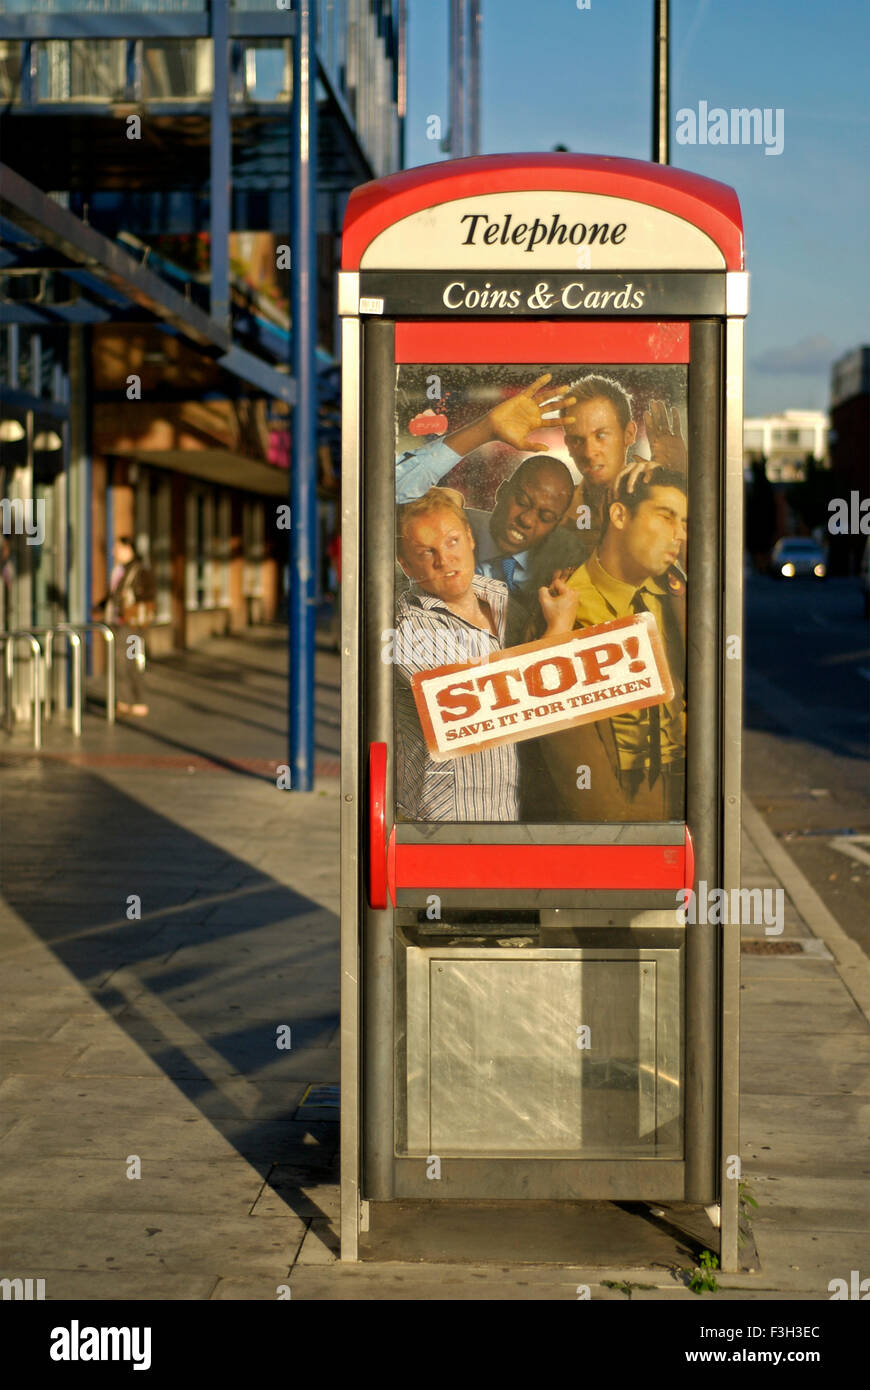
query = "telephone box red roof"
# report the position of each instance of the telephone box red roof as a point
(707, 204)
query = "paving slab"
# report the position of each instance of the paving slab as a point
(286, 1185)
(228, 1186)
(321, 1244)
(799, 967)
(35, 1058)
(182, 1244)
(806, 1204)
(121, 1286)
(772, 1063)
(261, 1290)
(102, 1133)
(809, 1261)
(762, 1014)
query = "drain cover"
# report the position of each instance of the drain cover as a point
(771, 948)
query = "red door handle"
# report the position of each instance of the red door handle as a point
(377, 825)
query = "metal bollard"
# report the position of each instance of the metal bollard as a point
(108, 636)
(76, 649)
(10, 639)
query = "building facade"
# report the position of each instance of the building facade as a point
(850, 452)
(785, 441)
(146, 265)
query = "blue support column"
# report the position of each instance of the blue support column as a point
(303, 474)
(221, 157)
(25, 95)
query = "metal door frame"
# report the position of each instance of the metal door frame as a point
(717, 1084)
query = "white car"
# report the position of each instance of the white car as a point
(796, 557)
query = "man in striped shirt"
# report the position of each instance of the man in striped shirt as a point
(450, 614)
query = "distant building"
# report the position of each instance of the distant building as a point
(850, 447)
(784, 441)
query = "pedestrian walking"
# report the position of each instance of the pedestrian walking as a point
(129, 609)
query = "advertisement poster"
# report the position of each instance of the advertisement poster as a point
(541, 576)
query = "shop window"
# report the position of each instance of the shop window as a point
(153, 535)
(176, 69)
(160, 544)
(222, 550)
(142, 512)
(199, 563)
(254, 534)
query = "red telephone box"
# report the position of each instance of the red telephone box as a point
(542, 547)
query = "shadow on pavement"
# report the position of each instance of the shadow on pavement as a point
(221, 958)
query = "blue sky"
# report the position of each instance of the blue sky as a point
(554, 74)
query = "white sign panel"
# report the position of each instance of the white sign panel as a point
(522, 692)
(542, 231)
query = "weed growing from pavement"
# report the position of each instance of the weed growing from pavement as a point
(701, 1278)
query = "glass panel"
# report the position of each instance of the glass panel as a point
(98, 68)
(254, 533)
(98, 7)
(267, 70)
(160, 546)
(176, 68)
(568, 708)
(222, 549)
(190, 546)
(49, 600)
(575, 1054)
(25, 363)
(143, 516)
(52, 70)
(10, 70)
(201, 562)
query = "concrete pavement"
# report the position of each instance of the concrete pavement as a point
(169, 924)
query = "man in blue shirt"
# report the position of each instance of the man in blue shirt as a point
(529, 504)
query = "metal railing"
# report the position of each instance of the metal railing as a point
(44, 669)
(74, 643)
(9, 639)
(109, 638)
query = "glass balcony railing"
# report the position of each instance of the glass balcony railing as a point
(356, 44)
(98, 7)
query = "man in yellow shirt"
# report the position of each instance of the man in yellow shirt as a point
(636, 759)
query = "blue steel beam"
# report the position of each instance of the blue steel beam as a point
(43, 220)
(82, 311)
(16, 402)
(252, 369)
(303, 470)
(243, 24)
(221, 167)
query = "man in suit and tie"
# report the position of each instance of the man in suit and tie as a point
(636, 759)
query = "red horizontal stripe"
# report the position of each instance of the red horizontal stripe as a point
(550, 340)
(647, 867)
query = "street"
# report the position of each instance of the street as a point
(807, 733)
